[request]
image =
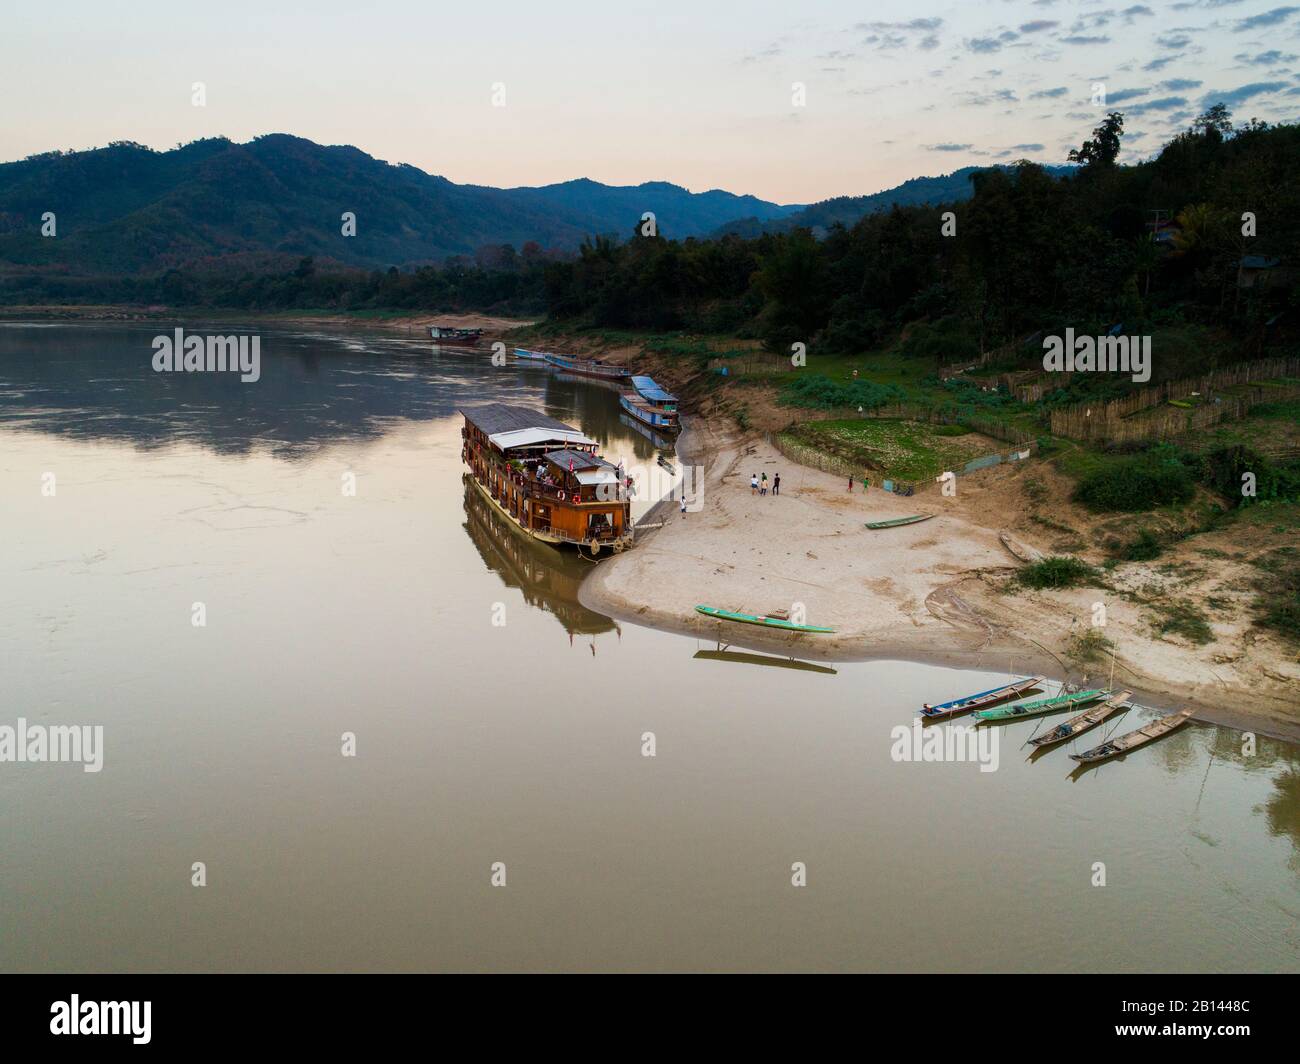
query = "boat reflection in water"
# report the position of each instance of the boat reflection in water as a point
(548, 578)
(660, 441)
(763, 659)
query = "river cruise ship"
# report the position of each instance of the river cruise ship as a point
(546, 478)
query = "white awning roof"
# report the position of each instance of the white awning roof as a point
(597, 476)
(531, 437)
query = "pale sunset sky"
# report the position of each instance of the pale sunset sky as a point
(699, 94)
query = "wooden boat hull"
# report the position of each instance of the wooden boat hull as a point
(1134, 739)
(761, 622)
(659, 420)
(1084, 721)
(1058, 704)
(896, 522)
(991, 697)
(460, 337)
(1019, 550)
(588, 369)
(529, 356)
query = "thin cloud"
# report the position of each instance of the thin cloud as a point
(1245, 92)
(1267, 18)
(1270, 58)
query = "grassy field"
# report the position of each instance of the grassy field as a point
(893, 448)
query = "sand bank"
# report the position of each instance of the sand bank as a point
(934, 591)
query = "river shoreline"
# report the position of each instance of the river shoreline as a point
(933, 592)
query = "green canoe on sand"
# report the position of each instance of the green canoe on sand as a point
(765, 622)
(1042, 705)
(896, 521)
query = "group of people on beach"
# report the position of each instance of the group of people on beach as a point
(757, 487)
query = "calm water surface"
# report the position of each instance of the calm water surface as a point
(518, 743)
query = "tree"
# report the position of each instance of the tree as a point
(1215, 124)
(1102, 150)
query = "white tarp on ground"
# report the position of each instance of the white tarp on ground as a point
(531, 437)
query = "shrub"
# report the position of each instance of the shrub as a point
(1058, 571)
(1144, 548)
(1222, 471)
(1185, 619)
(1132, 485)
(1090, 647)
(1277, 603)
(822, 393)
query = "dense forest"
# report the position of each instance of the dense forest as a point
(1141, 246)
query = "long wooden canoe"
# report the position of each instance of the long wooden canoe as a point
(1020, 550)
(983, 698)
(894, 522)
(763, 621)
(1132, 740)
(1058, 704)
(1088, 719)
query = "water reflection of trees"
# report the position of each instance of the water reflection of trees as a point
(1279, 760)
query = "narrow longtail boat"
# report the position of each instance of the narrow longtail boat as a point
(1057, 704)
(524, 355)
(1132, 740)
(587, 367)
(894, 522)
(990, 697)
(1089, 719)
(771, 620)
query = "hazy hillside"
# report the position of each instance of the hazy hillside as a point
(916, 192)
(214, 203)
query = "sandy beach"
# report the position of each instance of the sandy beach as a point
(932, 591)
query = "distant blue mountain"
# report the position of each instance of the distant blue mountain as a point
(846, 210)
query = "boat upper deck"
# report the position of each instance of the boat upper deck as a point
(508, 427)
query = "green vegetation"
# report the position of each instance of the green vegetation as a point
(1181, 618)
(1277, 603)
(900, 450)
(822, 393)
(1145, 547)
(1089, 648)
(1137, 484)
(1058, 571)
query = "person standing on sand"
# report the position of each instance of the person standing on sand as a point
(776, 484)
(753, 484)
(865, 483)
(763, 489)
(683, 502)
(850, 483)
